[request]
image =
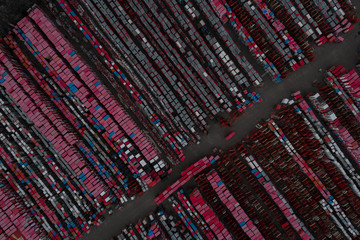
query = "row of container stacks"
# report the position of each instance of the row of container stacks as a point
(68, 148)
(279, 33)
(338, 103)
(295, 176)
(176, 60)
(40, 181)
(14, 222)
(161, 224)
(180, 61)
(186, 175)
(358, 59)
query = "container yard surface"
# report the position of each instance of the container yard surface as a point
(329, 55)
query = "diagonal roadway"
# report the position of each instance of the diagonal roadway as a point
(272, 93)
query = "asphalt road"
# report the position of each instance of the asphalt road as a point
(272, 93)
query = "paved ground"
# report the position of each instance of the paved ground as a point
(272, 93)
(11, 11)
